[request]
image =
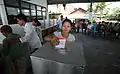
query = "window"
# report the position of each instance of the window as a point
(44, 13)
(39, 13)
(26, 10)
(33, 11)
(24, 5)
(43, 9)
(38, 8)
(12, 8)
(14, 3)
(12, 12)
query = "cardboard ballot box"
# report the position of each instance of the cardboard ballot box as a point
(49, 60)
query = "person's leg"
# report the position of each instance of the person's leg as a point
(88, 32)
(21, 65)
(99, 32)
(104, 33)
(9, 66)
(117, 35)
(2, 64)
(85, 30)
(77, 29)
(82, 28)
(92, 33)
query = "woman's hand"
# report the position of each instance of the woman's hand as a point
(54, 40)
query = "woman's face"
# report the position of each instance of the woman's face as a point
(66, 27)
(34, 23)
(20, 22)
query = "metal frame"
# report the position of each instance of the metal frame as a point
(50, 2)
(20, 9)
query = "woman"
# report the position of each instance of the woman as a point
(89, 28)
(64, 35)
(37, 25)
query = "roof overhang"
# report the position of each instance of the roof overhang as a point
(77, 1)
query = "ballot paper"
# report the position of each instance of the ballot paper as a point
(61, 44)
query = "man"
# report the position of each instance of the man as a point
(30, 34)
(14, 52)
(84, 26)
(103, 28)
(60, 22)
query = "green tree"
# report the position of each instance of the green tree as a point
(115, 15)
(88, 7)
(52, 16)
(98, 8)
(106, 12)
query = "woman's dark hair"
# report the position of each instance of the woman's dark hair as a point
(22, 17)
(36, 21)
(6, 29)
(67, 20)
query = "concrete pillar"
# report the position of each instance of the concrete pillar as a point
(90, 14)
(3, 13)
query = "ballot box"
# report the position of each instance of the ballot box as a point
(48, 60)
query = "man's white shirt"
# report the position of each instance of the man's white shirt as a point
(31, 36)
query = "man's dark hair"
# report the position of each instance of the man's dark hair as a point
(61, 16)
(22, 17)
(103, 21)
(89, 22)
(6, 29)
(36, 21)
(83, 20)
(67, 20)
